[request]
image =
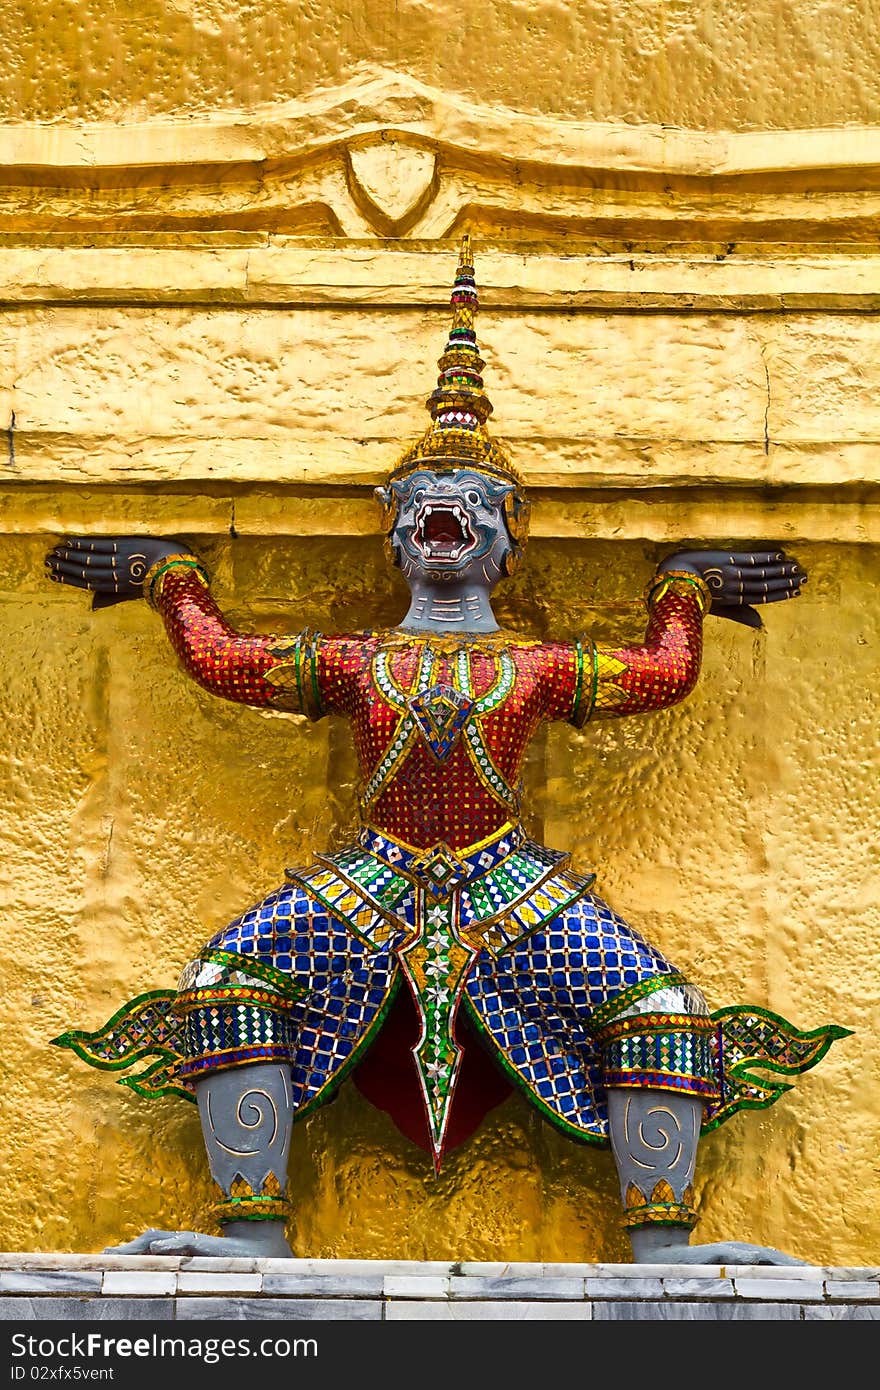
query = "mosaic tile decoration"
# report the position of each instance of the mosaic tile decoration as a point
(436, 965)
(535, 1004)
(342, 986)
(143, 1028)
(536, 1007)
(750, 1038)
(443, 887)
(666, 1052)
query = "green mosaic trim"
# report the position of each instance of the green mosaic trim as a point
(594, 688)
(479, 753)
(582, 708)
(382, 904)
(398, 746)
(612, 1007)
(583, 1136)
(297, 671)
(361, 869)
(660, 1214)
(681, 1053)
(503, 877)
(156, 572)
(437, 987)
(225, 1213)
(313, 671)
(78, 1039)
(549, 915)
(332, 1084)
(663, 582)
(215, 1030)
(757, 1093)
(288, 654)
(397, 698)
(260, 970)
(387, 688)
(406, 729)
(497, 693)
(578, 676)
(158, 1079)
(823, 1037)
(334, 910)
(487, 911)
(483, 905)
(486, 769)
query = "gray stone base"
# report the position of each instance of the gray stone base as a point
(92, 1287)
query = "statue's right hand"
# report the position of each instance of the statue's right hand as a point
(112, 567)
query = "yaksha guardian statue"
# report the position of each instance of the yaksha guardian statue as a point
(497, 940)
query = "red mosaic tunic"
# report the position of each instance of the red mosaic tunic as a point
(406, 694)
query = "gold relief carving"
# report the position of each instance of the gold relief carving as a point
(788, 63)
(661, 1209)
(267, 1202)
(392, 183)
(241, 1189)
(662, 1192)
(437, 166)
(634, 1197)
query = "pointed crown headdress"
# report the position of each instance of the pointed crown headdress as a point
(457, 436)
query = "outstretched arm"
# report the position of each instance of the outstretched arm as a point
(663, 669)
(602, 681)
(253, 669)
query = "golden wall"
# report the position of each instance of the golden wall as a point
(227, 236)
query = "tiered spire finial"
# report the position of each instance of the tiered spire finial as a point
(457, 436)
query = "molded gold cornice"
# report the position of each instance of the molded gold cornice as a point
(389, 101)
(249, 268)
(388, 156)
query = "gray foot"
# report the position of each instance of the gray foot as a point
(723, 1252)
(266, 1240)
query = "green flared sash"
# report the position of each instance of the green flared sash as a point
(750, 1038)
(143, 1028)
(750, 1041)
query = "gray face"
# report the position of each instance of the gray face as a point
(450, 527)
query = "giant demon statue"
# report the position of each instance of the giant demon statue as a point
(497, 942)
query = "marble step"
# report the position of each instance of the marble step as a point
(160, 1287)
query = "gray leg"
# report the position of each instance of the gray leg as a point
(654, 1138)
(246, 1115)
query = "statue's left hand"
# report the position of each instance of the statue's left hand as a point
(739, 579)
(265, 1239)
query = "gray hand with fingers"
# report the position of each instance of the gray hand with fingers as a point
(112, 568)
(740, 579)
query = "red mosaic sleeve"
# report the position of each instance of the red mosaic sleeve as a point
(563, 666)
(586, 680)
(253, 669)
(664, 670)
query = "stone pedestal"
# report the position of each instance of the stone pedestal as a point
(95, 1287)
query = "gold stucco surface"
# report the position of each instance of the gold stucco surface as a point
(743, 64)
(737, 830)
(226, 238)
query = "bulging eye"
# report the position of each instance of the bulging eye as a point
(473, 497)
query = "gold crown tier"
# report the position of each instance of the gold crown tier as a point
(459, 407)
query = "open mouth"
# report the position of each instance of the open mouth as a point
(443, 531)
